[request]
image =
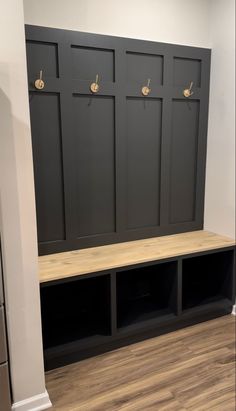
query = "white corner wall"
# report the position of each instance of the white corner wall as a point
(220, 176)
(17, 217)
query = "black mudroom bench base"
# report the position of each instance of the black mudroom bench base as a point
(102, 298)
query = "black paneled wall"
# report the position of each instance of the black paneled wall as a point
(115, 165)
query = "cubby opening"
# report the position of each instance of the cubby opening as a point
(75, 310)
(146, 293)
(207, 279)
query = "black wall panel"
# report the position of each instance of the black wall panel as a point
(187, 70)
(184, 138)
(88, 61)
(143, 162)
(48, 166)
(115, 166)
(94, 147)
(46, 54)
(141, 67)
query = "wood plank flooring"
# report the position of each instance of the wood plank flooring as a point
(190, 369)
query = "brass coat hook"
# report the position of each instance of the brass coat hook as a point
(39, 83)
(188, 91)
(94, 87)
(146, 89)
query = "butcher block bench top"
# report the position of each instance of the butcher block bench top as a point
(75, 263)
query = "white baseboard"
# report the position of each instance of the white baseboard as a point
(37, 403)
(234, 310)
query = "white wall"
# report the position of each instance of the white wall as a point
(17, 214)
(173, 21)
(220, 181)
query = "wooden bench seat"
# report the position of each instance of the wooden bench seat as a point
(75, 263)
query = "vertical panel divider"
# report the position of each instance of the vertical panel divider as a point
(179, 286)
(120, 136)
(113, 303)
(64, 58)
(166, 138)
(202, 139)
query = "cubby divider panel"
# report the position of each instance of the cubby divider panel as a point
(76, 310)
(146, 293)
(207, 279)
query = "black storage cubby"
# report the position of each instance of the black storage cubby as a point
(146, 293)
(75, 310)
(92, 313)
(207, 279)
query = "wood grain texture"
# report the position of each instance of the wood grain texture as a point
(80, 262)
(190, 369)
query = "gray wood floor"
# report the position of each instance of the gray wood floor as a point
(190, 369)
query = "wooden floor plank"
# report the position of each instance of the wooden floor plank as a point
(190, 369)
